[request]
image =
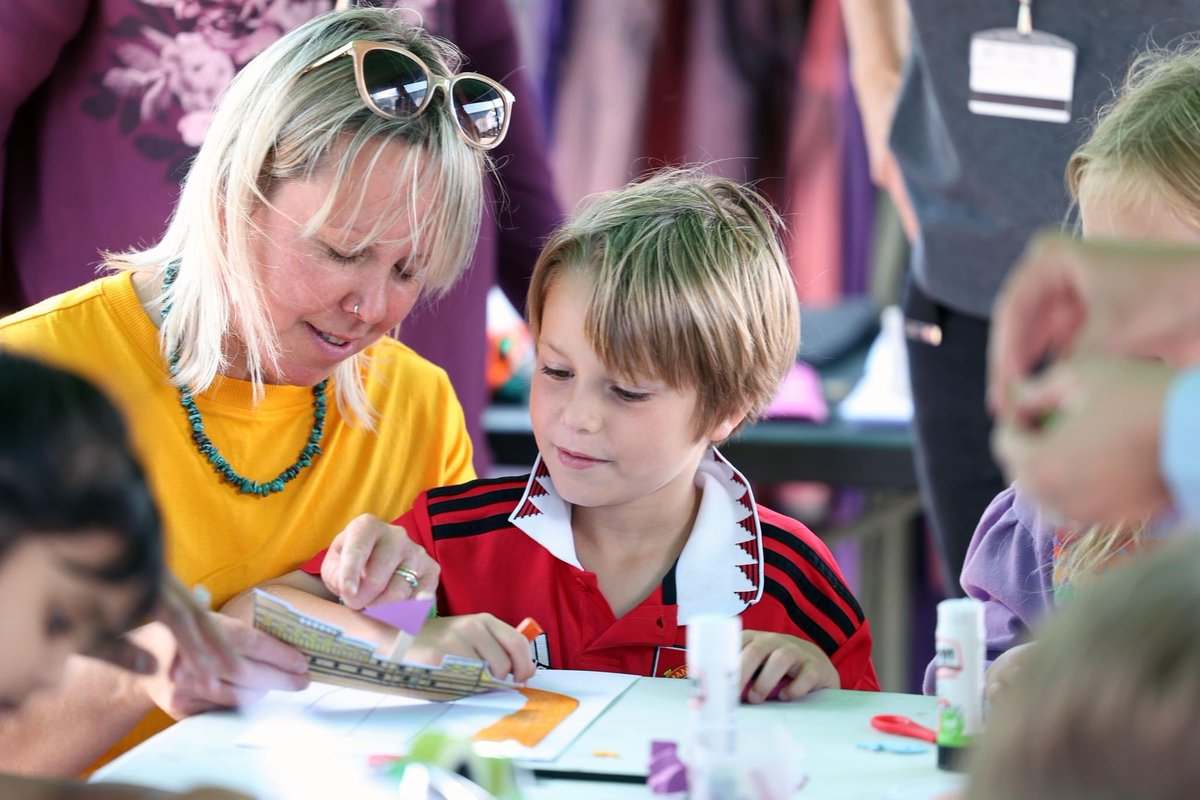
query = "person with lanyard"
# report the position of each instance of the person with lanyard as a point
(340, 180)
(970, 120)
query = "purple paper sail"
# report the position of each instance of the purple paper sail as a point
(668, 774)
(405, 615)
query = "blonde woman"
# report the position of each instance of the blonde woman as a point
(340, 180)
(1136, 177)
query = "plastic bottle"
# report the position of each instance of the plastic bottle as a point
(960, 657)
(714, 646)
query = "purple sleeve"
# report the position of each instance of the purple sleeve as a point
(529, 209)
(1009, 569)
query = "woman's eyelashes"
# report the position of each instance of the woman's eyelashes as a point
(342, 258)
(404, 270)
(408, 269)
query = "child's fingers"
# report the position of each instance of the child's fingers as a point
(806, 678)
(777, 666)
(483, 635)
(515, 648)
(754, 652)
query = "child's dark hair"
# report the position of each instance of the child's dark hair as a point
(66, 468)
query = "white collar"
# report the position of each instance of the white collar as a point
(721, 567)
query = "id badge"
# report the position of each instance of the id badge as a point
(1022, 76)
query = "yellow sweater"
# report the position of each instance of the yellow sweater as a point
(214, 535)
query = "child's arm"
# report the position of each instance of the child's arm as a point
(1009, 568)
(771, 659)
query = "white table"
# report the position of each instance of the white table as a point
(827, 727)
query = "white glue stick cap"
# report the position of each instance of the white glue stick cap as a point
(713, 636)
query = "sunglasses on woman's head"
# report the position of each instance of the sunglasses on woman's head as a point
(396, 84)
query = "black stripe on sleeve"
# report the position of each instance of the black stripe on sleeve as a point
(812, 630)
(463, 488)
(808, 554)
(510, 495)
(474, 527)
(811, 593)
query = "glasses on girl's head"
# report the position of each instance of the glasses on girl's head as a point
(396, 84)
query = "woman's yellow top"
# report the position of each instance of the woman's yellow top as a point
(214, 535)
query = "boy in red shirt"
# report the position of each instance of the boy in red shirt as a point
(665, 317)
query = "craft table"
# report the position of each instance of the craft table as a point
(826, 727)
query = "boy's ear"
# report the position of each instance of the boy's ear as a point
(725, 427)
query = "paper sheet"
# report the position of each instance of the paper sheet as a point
(363, 723)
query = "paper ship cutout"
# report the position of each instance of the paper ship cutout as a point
(334, 657)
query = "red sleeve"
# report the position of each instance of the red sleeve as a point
(853, 661)
(813, 600)
(313, 565)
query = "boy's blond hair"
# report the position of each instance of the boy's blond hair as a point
(1145, 145)
(1108, 707)
(691, 287)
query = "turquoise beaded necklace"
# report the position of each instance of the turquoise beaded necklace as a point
(312, 447)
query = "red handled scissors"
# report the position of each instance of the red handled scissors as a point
(902, 726)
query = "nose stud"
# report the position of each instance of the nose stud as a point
(356, 305)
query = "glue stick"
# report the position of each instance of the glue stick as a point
(960, 658)
(714, 647)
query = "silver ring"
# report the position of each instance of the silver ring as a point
(356, 305)
(410, 576)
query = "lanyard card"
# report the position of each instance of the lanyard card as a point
(1022, 76)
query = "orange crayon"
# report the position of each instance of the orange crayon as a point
(530, 629)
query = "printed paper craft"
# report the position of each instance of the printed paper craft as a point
(334, 657)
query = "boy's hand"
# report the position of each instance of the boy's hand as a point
(768, 658)
(1004, 670)
(361, 564)
(480, 636)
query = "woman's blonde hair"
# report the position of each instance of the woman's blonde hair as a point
(1108, 706)
(690, 286)
(1145, 144)
(277, 122)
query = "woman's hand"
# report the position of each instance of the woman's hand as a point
(262, 663)
(361, 564)
(201, 644)
(481, 636)
(769, 658)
